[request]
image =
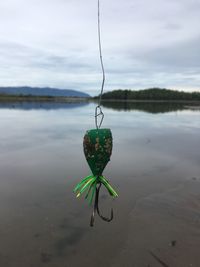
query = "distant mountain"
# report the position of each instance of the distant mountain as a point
(37, 91)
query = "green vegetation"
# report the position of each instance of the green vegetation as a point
(151, 94)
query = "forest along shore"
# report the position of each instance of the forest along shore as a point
(62, 99)
(147, 95)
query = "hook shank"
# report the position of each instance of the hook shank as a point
(96, 209)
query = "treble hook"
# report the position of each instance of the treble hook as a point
(96, 208)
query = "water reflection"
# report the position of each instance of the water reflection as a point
(42, 105)
(41, 159)
(151, 107)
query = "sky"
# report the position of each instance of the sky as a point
(145, 44)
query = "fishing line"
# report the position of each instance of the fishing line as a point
(98, 113)
(97, 146)
(98, 109)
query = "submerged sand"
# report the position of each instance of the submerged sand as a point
(165, 229)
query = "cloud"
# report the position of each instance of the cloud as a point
(145, 44)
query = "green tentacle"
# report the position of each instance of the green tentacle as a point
(85, 186)
(108, 186)
(82, 182)
(93, 190)
(89, 190)
(90, 183)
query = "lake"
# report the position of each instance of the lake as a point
(155, 168)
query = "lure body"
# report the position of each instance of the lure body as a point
(97, 146)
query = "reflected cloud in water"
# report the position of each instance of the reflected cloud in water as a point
(41, 159)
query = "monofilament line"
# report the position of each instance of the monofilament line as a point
(100, 54)
(98, 110)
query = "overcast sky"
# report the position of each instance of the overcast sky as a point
(145, 44)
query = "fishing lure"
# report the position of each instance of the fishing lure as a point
(97, 144)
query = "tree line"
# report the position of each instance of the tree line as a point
(151, 94)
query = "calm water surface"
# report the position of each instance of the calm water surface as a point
(156, 150)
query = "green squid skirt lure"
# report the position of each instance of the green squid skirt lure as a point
(97, 145)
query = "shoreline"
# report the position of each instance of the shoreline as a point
(148, 101)
(14, 98)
